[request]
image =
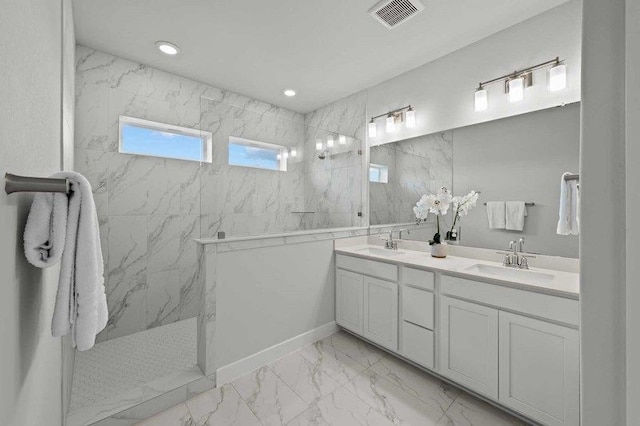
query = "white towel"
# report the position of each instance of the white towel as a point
(569, 212)
(515, 214)
(65, 229)
(496, 214)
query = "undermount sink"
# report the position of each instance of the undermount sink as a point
(511, 273)
(374, 251)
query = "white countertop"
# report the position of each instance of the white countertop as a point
(563, 284)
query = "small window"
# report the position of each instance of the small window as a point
(144, 137)
(260, 155)
(378, 173)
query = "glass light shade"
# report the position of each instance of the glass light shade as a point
(410, 117)
(516, 89)
(342, 139)
(294, 152)
(285, 155)
(558, 78)
(372, 129)
(391, 125)
(481, 101)
(318, 145)
(329, 141)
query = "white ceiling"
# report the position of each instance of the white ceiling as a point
(324, 49)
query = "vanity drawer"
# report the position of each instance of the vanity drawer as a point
(372, 268)
(528, 302)
(418, 278)
(417, 307)
(417, 344)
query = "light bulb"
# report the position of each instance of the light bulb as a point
(391, 125)
(342, 139)
(481, 102)
(516, 89)
(318, 145)
(294, 152)
(410, 116)
(558, 77)
(330, 141)
(372, 129)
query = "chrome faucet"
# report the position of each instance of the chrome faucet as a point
(390, 243)
(515, 259)
(401, 231)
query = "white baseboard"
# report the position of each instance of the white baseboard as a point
(241, 367)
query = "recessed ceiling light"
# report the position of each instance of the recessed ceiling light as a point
(167, 48)
(289, 92)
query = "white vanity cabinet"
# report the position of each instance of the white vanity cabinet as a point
(539, 369)
(368, 305)
(469, 345)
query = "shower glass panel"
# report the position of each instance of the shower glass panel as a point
(316, 178)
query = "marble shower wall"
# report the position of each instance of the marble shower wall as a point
(333, 186)
(150, 208)
(416, 166)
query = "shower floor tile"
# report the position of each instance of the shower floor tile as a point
(127, 370)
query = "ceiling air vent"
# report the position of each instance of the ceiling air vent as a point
(392, 13)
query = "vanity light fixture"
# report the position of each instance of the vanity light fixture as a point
(390, 125)
(289, 92)
(397, 115)
(558, 77)
(319, 146)
(516, 89)
(294, 152)
(330, 141)
(517, 81)
(168, 48)
(372, 129)
(410, 117)
(342, 139)
(481, 101)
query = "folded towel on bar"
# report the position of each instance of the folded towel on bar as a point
(515, 214)
(569, 212)
(64, 229)
(496, 214)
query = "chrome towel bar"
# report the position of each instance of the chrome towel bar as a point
(15, 183)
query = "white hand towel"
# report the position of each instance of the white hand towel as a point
(569, 211)
(496, 214)
(515, 214)
(81, 304)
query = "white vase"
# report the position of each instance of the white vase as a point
(439, 250)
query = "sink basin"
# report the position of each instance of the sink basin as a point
(505, 273)
(374, 251)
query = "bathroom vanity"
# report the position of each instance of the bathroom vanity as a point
(509, 335)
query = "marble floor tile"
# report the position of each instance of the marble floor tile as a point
(394, 403)
(221, 406)
(340, 408)
(423, 386)
(268, 397)
(354, 348)
(176, 416)
(468, 410)
(335, 364)
(305, 378)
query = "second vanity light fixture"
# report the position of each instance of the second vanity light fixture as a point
(516, 82)
(406, 114)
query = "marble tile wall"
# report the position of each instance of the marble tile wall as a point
(152, 209)
(333, 186)
(416, 166)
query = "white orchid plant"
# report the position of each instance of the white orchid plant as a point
(439, 204)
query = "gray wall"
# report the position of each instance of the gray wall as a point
(30, 144)
(519, 158)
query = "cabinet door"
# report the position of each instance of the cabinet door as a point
(381, 312)
(349, 300)
(539, 369)
(469, 345)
